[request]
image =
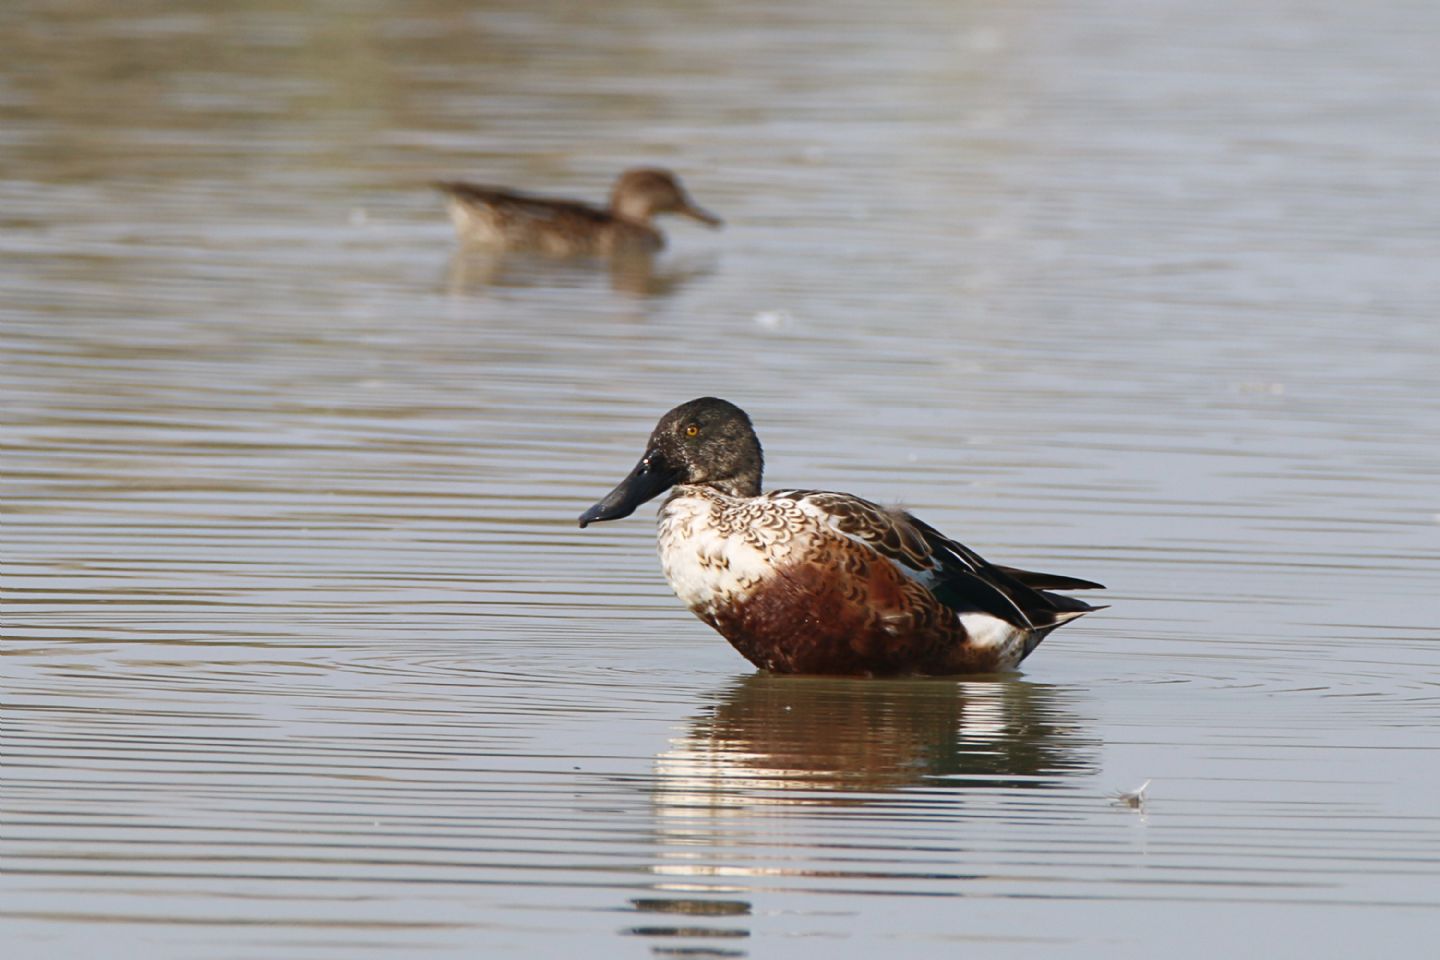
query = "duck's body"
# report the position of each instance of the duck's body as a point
(804, 581)
(499, 219)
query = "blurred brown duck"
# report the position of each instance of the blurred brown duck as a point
(502, 219)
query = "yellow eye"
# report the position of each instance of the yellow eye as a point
(692, 431)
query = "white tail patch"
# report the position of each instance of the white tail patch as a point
(987, 633)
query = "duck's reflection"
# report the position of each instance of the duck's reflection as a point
(684, 919)
(774, 746)
(772, 739)
(472, 271)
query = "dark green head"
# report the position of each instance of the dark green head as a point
(706, 441)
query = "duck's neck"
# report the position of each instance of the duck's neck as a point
(634, 209)
(739, 487)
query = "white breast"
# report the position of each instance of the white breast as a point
(707, 562)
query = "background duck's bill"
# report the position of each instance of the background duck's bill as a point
(701, 214)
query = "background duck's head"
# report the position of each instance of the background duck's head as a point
(706, 441)
(643, 192)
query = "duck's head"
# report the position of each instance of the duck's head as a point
(706, 441)
(641, 193)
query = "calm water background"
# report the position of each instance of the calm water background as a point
(306, 657)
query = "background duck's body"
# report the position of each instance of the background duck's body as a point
(499, 219)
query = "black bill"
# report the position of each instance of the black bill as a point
(650, 478)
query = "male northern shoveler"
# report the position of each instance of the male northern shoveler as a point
(506, 220)
(805, 581)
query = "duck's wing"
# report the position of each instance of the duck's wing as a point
(1028, 591)
(869, 523)
(958, 576)
(513, 203)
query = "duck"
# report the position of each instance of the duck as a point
(818, 582)
(508, 220)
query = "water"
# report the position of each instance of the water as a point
(307, 658)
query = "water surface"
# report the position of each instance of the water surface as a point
(306, 657)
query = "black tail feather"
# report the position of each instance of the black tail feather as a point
(1048, 581)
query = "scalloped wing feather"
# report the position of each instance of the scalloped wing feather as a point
(958, 576)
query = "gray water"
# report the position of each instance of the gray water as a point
(306, 657)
